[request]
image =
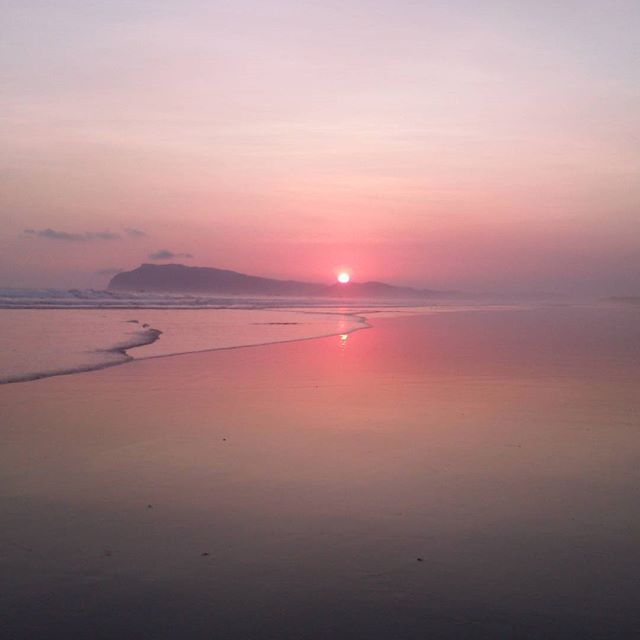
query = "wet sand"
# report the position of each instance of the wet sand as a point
(464, 475)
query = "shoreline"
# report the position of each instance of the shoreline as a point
(123, 350)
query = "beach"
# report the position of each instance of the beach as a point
(458, 475)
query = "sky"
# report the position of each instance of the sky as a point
(481, 146)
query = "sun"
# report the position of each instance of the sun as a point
(343, 277)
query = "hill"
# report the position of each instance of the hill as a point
(180, 278)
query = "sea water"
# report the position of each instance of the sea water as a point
(37, 343)
(51, 332)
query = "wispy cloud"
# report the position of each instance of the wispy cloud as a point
(135, 233)
(84, 236)
(165, 254)
(66, 236)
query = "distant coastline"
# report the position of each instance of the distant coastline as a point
(179, 278)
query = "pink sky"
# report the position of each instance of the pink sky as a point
(477, 146)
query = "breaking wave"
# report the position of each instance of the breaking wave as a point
(105, 299)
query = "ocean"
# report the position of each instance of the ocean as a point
(49, 332)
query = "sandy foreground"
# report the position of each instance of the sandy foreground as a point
(464, 475)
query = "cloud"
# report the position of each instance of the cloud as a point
(135, 233)
(85, 236)
(108, 272)
(65, 236)
(165, 254)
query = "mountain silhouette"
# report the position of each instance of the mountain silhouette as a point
(179, 278)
